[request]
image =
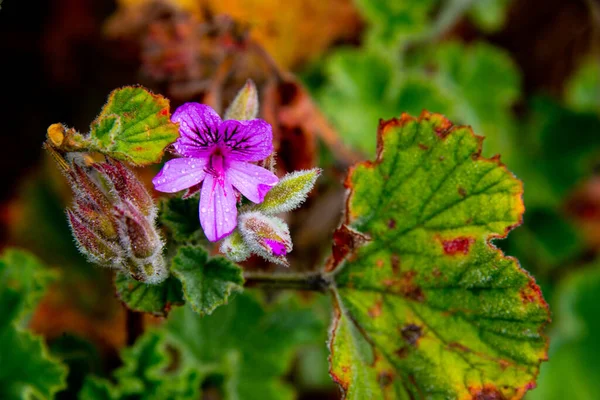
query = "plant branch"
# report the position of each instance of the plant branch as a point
(312, 282)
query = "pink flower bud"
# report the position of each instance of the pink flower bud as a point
(113, 220)
(267, 236)
(140, 236)
(96, 248)
(126, 186)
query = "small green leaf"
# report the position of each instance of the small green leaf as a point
(426, 307)
(207, 282)
(95, 388)
(392, 22)
(289, 193)
(81, 357)
(27, 371)
(193, 357)
(180, 216)
(154, 299)
(133, 126)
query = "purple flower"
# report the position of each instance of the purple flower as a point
(219, 154)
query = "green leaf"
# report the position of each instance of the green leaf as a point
(133, 126)
(574, 370)
(181, 217)
(153, 299)
(289, 193)
(207, 282)
(81, 357)
(26, 369)
(583, 88)
(397, 21)
(192, 357)
(562, 160)
(483, 84)
(426, 306)
(478, 84)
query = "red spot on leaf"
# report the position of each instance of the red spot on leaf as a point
(487, 392)
(164, 112)
(411, 333)
(462, 192)
(458, 245)
(423, 147)
(531, 293)
(402, 352)
(391, 223)
(443, 129)
(405, 285)
(385, 378)
(375, 311)
(395, 264)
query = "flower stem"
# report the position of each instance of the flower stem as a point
(313, 282)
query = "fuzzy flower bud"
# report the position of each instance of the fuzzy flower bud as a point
(245, 105)
(92, 244)
(112, 220)
(267, 236)
(234, 247)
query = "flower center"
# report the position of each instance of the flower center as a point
(216, 165)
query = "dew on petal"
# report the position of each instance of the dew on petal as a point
(203, 209)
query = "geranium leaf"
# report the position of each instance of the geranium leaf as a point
(426, 305)
(192, 357)
(134, 126)
(180, 216)
(207, 282)
(153, 299)
(26, 369)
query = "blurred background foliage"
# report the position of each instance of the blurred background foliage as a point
(524, 74)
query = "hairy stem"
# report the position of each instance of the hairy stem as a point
(313, 282)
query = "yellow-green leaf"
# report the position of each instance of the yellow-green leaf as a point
(427, 307)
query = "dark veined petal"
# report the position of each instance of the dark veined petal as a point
(251, 180)
(179, 174)
(218, 212)
(247, 140)
(198, 127)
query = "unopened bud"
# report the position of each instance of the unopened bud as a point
(113, 219)
(234, 247)
(142, 238)
(152, 270)
(86, 190)
(267, 236)
(290, 192)
(245, 104)
(126, 186)
(102, 224)
(96, 248)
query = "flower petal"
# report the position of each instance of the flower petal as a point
(218, 212)
(251, 180)
(179, 174)
(247, 140)
(199, 127)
